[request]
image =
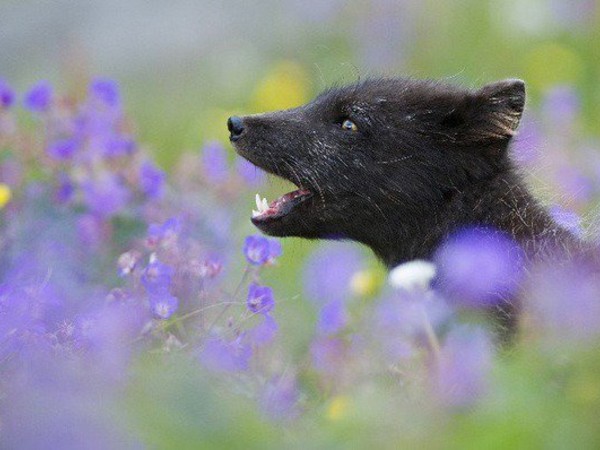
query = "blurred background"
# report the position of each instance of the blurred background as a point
(185, 66)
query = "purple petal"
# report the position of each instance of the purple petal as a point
(260, 299)
(256, 250)
(152, 180)
(7, 95)
(63, 149)
(214, 161)
(221, 356)
(478, 267)
(106, 90)
(264, 333)
(164, 305)
(464, 367)
(39, 97)
(329, 270)
(332, 317)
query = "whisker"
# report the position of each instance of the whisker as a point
(397, 160)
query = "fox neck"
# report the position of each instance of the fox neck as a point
(501, 202)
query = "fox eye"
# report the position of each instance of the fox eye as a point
(349, 125)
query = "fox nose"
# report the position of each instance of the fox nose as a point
(235, 127)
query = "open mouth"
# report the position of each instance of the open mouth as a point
(279, 208)
(271, 216)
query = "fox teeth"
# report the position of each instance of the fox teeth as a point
(261, 206)
(258, 203)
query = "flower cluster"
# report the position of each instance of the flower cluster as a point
(57, 299)
(234, 354)
(120, 286)
(93, 148)
(260, 250)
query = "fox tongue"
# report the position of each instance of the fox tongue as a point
(287, 197)
(275, 206)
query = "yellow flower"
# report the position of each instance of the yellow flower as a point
(285, 86)
(365, 283)
(338, 408)
(5, 195)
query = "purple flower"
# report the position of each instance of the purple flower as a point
(260, 250)
(332, 317)
(106, 196)
(329, 270)
(39, 97)
(18, 321)
(561, 105)
(91, 230)
(526, 146)
(99, 129)
(157, 277)
(218, 223)
(399, 321)
(164, 305)
(251, 174)
(222, 356)
(260, 299)
(275, 249)
(574, 184)
(127, 262)
(478, 267)
(209, 268)
(214, 161)
(563, 301)
(163, 232)
(256, 249)
(117, 146)
(152, 180)
(567, 219)
(464, 367)
(65, 189)
(279, 400)
(63, 149)
(105, 90)
(106, 332)
(7, 95)
(263, 333)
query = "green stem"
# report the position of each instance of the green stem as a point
(432, 340)
(235, 294)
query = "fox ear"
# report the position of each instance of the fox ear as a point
(489, 115)
(504, 102)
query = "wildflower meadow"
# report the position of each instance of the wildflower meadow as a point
(139, 308)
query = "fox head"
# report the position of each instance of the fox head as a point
(379, 161)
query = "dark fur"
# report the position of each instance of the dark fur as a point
(427, 159)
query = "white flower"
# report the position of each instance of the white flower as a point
(413, 275)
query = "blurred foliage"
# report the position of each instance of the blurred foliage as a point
(541, 400)
(468, 42)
